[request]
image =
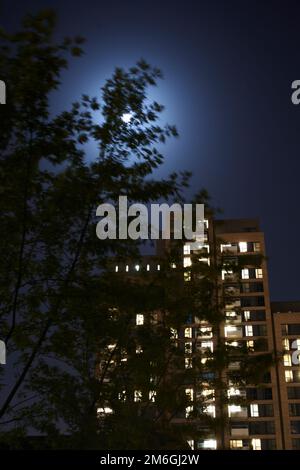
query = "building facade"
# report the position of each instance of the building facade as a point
(266, 416)
(286, 331)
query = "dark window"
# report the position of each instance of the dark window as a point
(293, 392)
(295, 427)
(268, 444)
(260, 345)
(253, 301)
(262, 427)
(206, 376)
(255, 315)
(296, 376)
(266, 378)
(265, 410)
(252, 273)
(294, 409)
(245, 287)
(292, 329)
(259, 393)
(296, 444)
(252, 287)
(259, 330)
(253, 246)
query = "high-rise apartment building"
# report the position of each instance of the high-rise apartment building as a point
(266, 415)
(247, 319)
(286, 331)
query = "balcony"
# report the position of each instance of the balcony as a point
(229, 249)
(237, 411)
(232, 290)
(233, 318)
(232, 304)
(233, 331)
(240, 431)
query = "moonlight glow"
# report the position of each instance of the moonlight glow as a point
(126, 117)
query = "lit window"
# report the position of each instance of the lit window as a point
(174, 333)
(210, 410)
(152, 395)
(205, 331)
(190, 394)
(188, 332)
(187, 276)
(249, 330)
(232, 409)
(187, 262)
(209, 394)
(188, 411)
(243, 247)
(191, 444)
(188, 345)
(137, 395)
(254, 413)
(140, 319)
(116, 269)
(188, 363)
(232, 331)
(104, 411)
(127, 268)
(139, 350)
(158, 267)
(209, 444)
(256, 246)
(186, 249)
(247, 315)
(234, 344)
(286, 344)
(226, 273)
(122, 395)
(225, 247)
(250, 344)
(207, 345)
(233, 392)
(258, 273)
(173, 265)
(288, 375)
(245, 273)
(148, 267)
(137, 267)
(236, 444)
(256, 444)
(287, 360)
(231, 314)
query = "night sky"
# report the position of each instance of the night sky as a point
(228, 70)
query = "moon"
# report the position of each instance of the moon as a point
(126, 117)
